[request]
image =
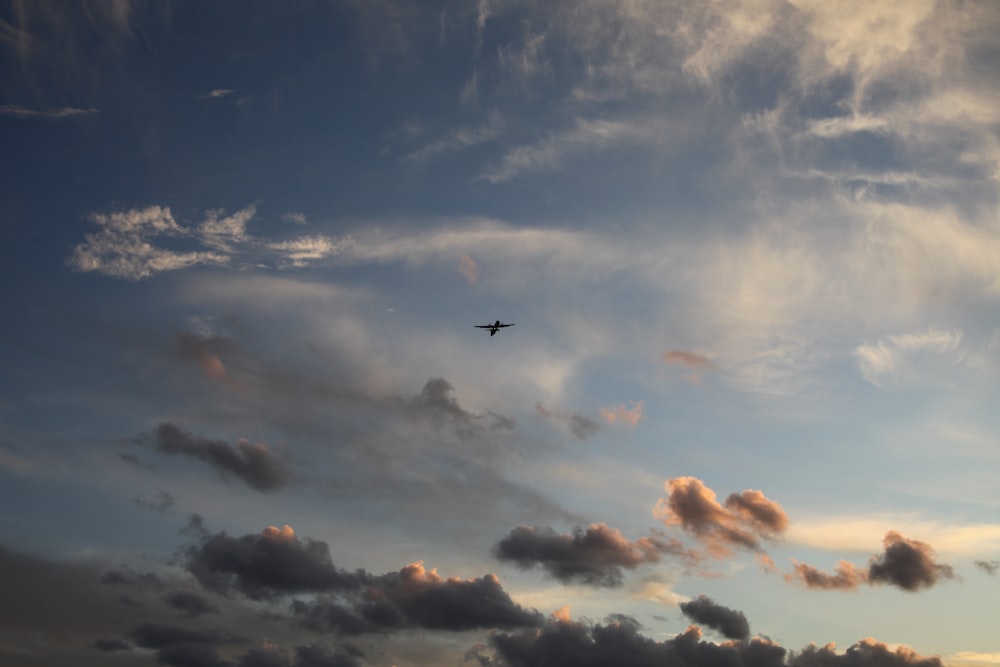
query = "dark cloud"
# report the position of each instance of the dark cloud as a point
(742, 521)
(314, 655)
(191, 604)
(256, 465)
(865, 653)
(268, 656)
(988, 566)
(595, 556)
(581, 427)
(160, 635)
(161, 503)
(731, 623)
(906, 564)
(110, 645)
(618, 642)
(124, 575)
(416, 597)
(272, 563)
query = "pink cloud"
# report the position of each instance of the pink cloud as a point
(469, 269)
(621, 413)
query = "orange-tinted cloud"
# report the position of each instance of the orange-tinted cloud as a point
(847, 577)
(906, 564)
(689, 359)
(742, 521)
(625, 415)
(469, 269)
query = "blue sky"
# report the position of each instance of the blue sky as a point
(751, 249)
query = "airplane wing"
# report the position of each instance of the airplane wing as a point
(483, 326)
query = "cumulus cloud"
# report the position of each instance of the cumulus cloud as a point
(742, 521)
(416, 597)
(266, 565)
(730, 622)
(619, 642)
(847, 576)
(906, 564)
(256, 464)
(594, 556)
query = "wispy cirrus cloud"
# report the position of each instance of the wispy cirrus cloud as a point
(583, 137)
(46, 114)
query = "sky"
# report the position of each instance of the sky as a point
(747, 415)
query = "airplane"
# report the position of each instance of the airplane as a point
(494, 328)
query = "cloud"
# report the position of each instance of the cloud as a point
(580, 426)
(191, 604)
(256, 465)
(206, 351)
(594, 556)
(585, 136)
(623, 414)
(988, 566)
(909, 358)
(294, 217)
(122, 247)
(847, 577)
(462, 138)
(45, 114)
(267, 565)
(217, 93)
(418, 598)
(161, 503)
(742, 521)
(304, 250)
(730, 622)
(691, 360)
(906, 564)
(618, 642)
(468, 268)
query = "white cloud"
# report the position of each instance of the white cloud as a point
(460, 139)
(897, 359)
(585, 136)
(301, 251)
(865, 533)
(216, 93)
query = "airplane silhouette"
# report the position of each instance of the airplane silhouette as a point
(494, 328)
